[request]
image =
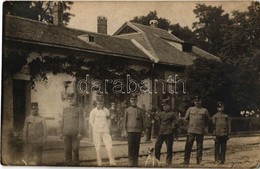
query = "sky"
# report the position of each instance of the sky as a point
(118, 12)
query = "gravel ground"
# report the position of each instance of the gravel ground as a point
(246, 156)
(242, 152)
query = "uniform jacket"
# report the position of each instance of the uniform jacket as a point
(98, 119)
(167, 121)
(198, 119)
(221, 124)
(149, 119)
(134, 119)
(35, 130)
(72, 122)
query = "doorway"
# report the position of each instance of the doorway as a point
(19, 104)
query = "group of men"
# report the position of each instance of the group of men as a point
(134, 125)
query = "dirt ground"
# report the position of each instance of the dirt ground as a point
(238, 155)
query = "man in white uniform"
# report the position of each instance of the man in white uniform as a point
(99, 120)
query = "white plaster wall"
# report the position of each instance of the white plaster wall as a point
(146, 99)
(48, 96)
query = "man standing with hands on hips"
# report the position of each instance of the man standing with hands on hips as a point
(134, 126)
(197, 118)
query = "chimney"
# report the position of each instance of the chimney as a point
(57, 14)
(102, 24)
(153, 23)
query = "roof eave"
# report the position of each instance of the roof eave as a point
(77, 49)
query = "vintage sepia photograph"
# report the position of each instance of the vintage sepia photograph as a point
(156, 84)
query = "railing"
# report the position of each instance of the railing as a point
(245, 125)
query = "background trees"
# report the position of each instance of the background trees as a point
(235, 38)
(37, 10)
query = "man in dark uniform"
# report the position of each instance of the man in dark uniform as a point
(72, 130)
(221, 129)
(197, 118)
(134, 126)
(168, 123)
(149, 120)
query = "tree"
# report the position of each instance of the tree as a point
(37, 10)
(209, 27)
(152, 15)
(209, 79)
(243, 36)
(183, 33)
(237, 87)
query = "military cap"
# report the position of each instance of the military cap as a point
(100, 98)
(133, 96)
(220, 104)
(70, 96)
(197, 98)
(165, 102)
(34, 106)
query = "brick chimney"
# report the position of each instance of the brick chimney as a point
(153, 23)
(102, 24)
(57, 13)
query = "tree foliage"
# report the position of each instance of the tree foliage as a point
(235, 38)
(209, 27)
(183, 33)
(216, 81)
(100, 69)
(37, 10)
(243, 36)
(162, 22)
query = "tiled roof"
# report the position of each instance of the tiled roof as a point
(157, 41)
(38, 32)
(150, 44)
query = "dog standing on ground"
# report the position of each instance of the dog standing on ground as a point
(151, 157)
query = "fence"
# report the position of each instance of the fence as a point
(239, 125)
(245, 125)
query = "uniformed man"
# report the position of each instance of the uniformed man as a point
(113, 120)
(99, 119)
(134, 126)
(197, 118)
(34, 135)
(168, 122)
(72, 128)
(221, 129)
(149, 120)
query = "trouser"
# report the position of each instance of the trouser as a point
(134, 139)
(158, 145)
(71, 147)
(98, 137)
(220, 148)
(32, 149)
(148, 133)
(188, 147)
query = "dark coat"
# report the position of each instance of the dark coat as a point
(168, 121)
(72, 122)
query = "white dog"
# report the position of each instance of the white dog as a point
(151, 156)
